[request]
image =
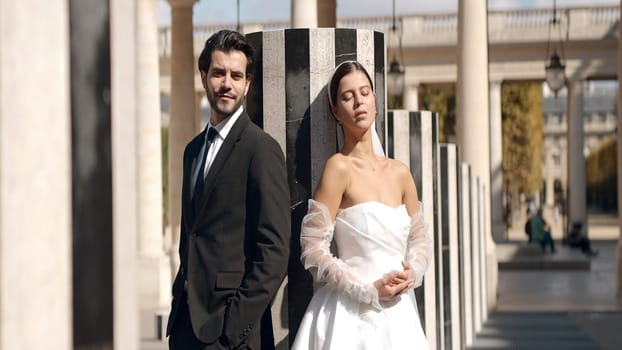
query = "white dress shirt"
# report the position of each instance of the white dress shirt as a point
(222, 130)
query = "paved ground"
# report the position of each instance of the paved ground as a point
(585, 297)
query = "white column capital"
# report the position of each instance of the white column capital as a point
(181, 3)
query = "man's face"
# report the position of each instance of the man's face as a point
(225, 83)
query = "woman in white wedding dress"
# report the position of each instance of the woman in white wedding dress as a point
(369, 205)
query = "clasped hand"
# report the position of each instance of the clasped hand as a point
(394, 283)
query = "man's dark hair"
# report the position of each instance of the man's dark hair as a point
(226, 41)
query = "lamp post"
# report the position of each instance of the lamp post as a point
(396, 76)
(555, 70)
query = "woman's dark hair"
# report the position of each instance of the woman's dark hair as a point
(341, 71)
(226, 41)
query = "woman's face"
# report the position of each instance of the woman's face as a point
(355, 105)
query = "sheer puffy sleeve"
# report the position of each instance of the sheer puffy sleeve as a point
(315, 238)
(419, 247)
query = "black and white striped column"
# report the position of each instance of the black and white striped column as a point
(412, 137)
(288, 99)
(484, 224)
(466, 256)
(478, 254)
(450, 232)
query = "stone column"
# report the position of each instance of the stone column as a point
(468, 304)
(473, 116)
(496, 162)
(619, 247)
(451, 251)
(153, 272)
(412, 138)
(35, 176)
(125, 169)
(476, 253)
(576, 159)
(549, 180)
(411, 97)
(304, 13)
(198, 117)
(288, 99)
(327, 13)
(181, 111)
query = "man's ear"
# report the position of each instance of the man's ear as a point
(249, 80)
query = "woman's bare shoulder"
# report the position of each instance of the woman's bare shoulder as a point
(337, 163)
(398, 168)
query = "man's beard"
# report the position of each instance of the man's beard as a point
(214, 106)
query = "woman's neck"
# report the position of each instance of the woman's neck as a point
(359, 147)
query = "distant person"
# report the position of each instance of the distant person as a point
(541, 232)
(576, 239)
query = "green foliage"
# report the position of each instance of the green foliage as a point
(602, 175)
(442, 100)
(521, 110)
(395, 102)
(602, 164)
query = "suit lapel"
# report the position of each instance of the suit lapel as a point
(223, 153)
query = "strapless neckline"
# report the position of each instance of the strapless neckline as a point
(352, 207)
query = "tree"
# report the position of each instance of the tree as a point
(602, 175)
(521, 111)
(442, 100)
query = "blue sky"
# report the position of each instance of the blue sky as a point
(224, 11)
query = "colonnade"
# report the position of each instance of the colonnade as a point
(79, 184)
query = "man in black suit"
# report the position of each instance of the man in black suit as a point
(235, 225)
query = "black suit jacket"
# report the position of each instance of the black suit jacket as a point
(234, 246)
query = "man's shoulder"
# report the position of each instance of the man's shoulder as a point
(197, 139)
(257, 135)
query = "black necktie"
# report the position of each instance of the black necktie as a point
(198, 187)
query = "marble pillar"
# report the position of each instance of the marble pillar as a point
(466, 249)
(484, 219)
(327, 13)
(473, 123)
(411, 97)
(92, 193)
(125, 179)
(412, 137)
(35, 176)
(451, 250)
(304, 13)
(496, 163)
(199, 123)
(154, 271)
(577, 210)
(549, 173)
(477, 254)
(181, 111)
(288, 100)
